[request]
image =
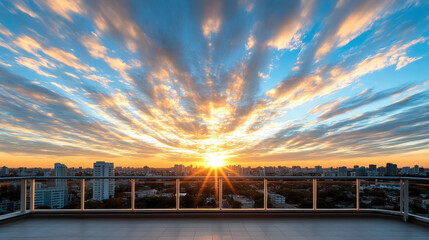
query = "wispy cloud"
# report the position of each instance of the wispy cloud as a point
(176, 80)
(21, 6)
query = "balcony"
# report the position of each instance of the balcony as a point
(214, 207)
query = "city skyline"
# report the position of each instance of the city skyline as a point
(214, 83)
(102, 168)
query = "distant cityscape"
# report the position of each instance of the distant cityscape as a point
(161, 193)
(390, 169)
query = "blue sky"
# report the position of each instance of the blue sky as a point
(252, 82)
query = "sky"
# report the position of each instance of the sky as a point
(260, 83)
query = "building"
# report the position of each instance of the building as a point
(269, 171)
(361, 171)
(318, 170)
(53, 198)
(179, 170)
(416, 170)
(246, 171)
(4, 171)
(245, 202)
(342, 171)
(103, 188)
(391, 169)
(6, 205)
(276, 199)
(406, 171)
(381, 171)
(146, 170)
(60, 171)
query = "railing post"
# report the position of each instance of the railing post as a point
(220, 194)
(265, 194)
(406, 200)
(82, 194)
(32, 191)
(23, 194)
(401, 196)
(357, 193)
(133, 194)
(314, 194)
(177, 194)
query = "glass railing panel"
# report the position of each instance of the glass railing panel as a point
(155, 194)
(56, 194)
(384, 195)
(10, 197)
(290, 194)
(419, 199)
(336, 194)
(199, 194)
(108, 194)
(243, 194)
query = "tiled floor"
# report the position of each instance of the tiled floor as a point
(284, 228)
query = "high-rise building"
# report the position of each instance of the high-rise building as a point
(391, 169)
(381, 171)
(416, 170)
(179, 170)
(4, 171)
(372, 167)
(405, 171)
(361, 171)
(103, 188)
(318, 169)
(60, 171)
(342, 171)
(146, 170)
(55, 197)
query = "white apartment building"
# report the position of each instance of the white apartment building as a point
(103, 188)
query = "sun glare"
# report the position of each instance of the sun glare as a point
(215, 159)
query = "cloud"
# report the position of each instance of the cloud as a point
(67, 58)
(65, 7)
(289, 34)
(2, 44)
(32, 46)
(101, 80)
(207, 76)
(96, 50)
(71, 75)
(5, 64)
(365, 98)
(356, 137)
(358, 21)
(5, 31)
(92, 44)
(212, 17)
(21, 6)
(35, 65)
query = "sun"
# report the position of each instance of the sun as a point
(215, 159)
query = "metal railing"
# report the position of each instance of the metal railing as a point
(28, 193)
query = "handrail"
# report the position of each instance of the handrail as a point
(218, 177)
(402, 181)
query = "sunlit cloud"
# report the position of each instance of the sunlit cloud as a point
(239, 81)
(64, 8)
(4, 31)
(36, 65)
(21, 6)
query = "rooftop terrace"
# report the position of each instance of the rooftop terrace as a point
(213, 227)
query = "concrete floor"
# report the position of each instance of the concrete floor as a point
(192, 228)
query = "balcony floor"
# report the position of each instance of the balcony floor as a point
(215, 227)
